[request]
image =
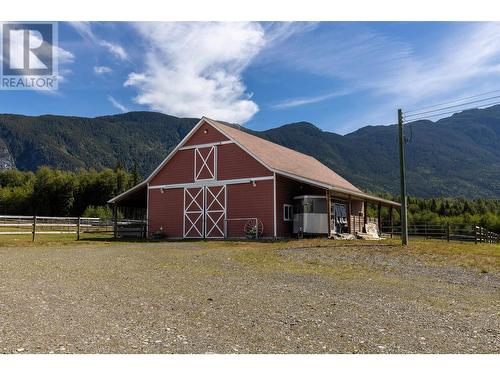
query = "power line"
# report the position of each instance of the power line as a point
(452, 101)
(451, 112)
(453, 106)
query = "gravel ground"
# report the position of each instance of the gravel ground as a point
(229, 297)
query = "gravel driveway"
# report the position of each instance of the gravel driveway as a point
(237, 297)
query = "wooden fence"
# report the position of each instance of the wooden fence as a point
(443, 231)
(78, 226)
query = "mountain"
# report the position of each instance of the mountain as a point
(76, 142)
(455, 156)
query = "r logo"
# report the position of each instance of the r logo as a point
(28, 49)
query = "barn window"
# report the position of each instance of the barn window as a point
(287, 212)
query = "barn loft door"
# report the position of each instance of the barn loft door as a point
(215, 211)
(194, 212)
(205, 161)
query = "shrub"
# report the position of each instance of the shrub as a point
(102, 212)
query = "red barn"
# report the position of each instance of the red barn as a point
(219, 181)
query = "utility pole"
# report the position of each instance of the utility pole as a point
(404, 213)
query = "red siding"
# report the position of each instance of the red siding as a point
(200, 137)
(178, 170)
(166, 211)
(247, 201)
(233, 162)
(286, 189)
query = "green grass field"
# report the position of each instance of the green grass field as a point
(483, 256)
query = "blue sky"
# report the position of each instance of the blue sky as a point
(337, 75)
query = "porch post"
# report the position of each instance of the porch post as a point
(365, 217)
(379, 218)
(329, 212)
(115, 221)
(349, 209)
(391, 218)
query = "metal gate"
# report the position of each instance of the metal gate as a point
(205, 212)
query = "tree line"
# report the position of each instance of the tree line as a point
(440, 210)
(53, 192)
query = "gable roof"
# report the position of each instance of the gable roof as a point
(276, 158)
(283, 160)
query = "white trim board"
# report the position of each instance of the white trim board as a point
(211, 183)
(202, 145)
(275, 226)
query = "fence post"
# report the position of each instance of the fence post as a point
(391, 218)
(475, 234)
(115, 222)
(78, 229)
(448, 231)
(34, 228)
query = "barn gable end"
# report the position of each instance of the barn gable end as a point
(209, 187)
(219, 181)
(205, 155)
(205, 134)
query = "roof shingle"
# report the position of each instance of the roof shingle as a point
(283, 159)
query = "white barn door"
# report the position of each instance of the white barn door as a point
(194, 200)
(205, 212)
(215, 211)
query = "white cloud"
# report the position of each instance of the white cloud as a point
(85, 30)
(194, 69)
(388, 70)
(115, 49)
(456, 65)
(102, 69)
(115, 103)
(278, 32)
(64, 56)
(297, 102)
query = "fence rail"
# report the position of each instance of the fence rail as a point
(124, 228)
(42, 225)
(444, 231)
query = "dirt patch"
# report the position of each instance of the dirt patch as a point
(241, 297)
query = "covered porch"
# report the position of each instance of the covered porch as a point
(130, 213)
(349, 213)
